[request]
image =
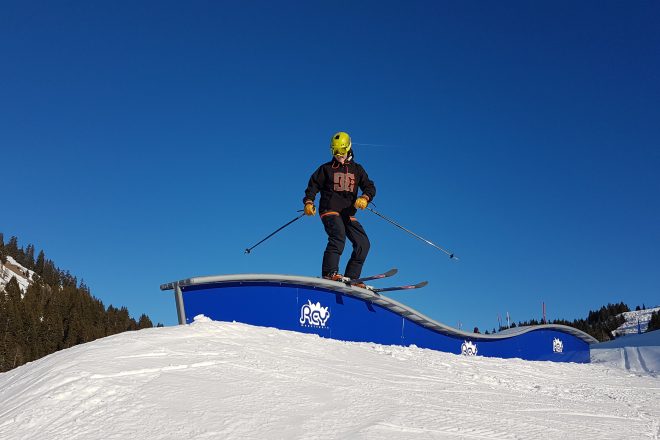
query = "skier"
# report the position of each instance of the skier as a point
(338, 181)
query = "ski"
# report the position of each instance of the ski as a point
(379, 276)
(407, 287)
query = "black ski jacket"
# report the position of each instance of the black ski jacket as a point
(338, 185)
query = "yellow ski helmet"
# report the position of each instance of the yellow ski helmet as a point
(340, 144)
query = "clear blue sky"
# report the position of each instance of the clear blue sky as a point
(146, 142)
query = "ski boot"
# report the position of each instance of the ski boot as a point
(334, 276)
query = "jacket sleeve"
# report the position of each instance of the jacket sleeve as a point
(314, 185)
(366, 185)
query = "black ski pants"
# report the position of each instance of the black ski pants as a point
(338, 227)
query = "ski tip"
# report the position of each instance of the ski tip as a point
(391, 272)
(247, 251)
(415, 286)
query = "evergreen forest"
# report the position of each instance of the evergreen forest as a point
(56, 311)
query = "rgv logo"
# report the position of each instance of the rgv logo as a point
(314, 315)
(468, 348)
(557, 345)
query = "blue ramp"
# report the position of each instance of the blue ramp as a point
(335, 310)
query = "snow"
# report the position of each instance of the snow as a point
(230, 380)
(13, 269)
(637, 353)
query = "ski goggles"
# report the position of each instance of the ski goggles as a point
(340, 150)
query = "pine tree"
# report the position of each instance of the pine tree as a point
(41, 294)
(12, 247)
(125, 321)
(30, 312)
(654, 322)
(54, 313)
(29, 257)
(13, 338)
(144, 322)
(51, 275)
(73, 324)
(40, 263)
(4, 331)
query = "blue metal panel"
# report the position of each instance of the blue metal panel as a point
(332, 314)
(281, 306)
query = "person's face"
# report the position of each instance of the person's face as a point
(341, 159)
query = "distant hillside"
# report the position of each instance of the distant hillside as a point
(637, 321)
(609, 322)
(11, 268)
(44, 309)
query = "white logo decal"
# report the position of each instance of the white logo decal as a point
(468, 349)
(313, 315)
(557, 345)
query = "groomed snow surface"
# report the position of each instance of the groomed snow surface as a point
(636, 353)
(224, 380)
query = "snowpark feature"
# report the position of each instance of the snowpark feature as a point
(637, 353)
(336, 310)
(226, 380)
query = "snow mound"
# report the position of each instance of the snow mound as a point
(201, 318)
(229, 380)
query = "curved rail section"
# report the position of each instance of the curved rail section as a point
(334, 310)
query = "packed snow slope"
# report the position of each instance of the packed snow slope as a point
(636, 353)
(229, 380)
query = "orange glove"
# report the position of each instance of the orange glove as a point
(361, 202)
(310, 209)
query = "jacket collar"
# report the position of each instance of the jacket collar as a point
(349, 159)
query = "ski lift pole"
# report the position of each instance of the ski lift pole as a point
(248, 250)
(451, 255)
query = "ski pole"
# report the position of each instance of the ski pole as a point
(247, 251)
(451, 255)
